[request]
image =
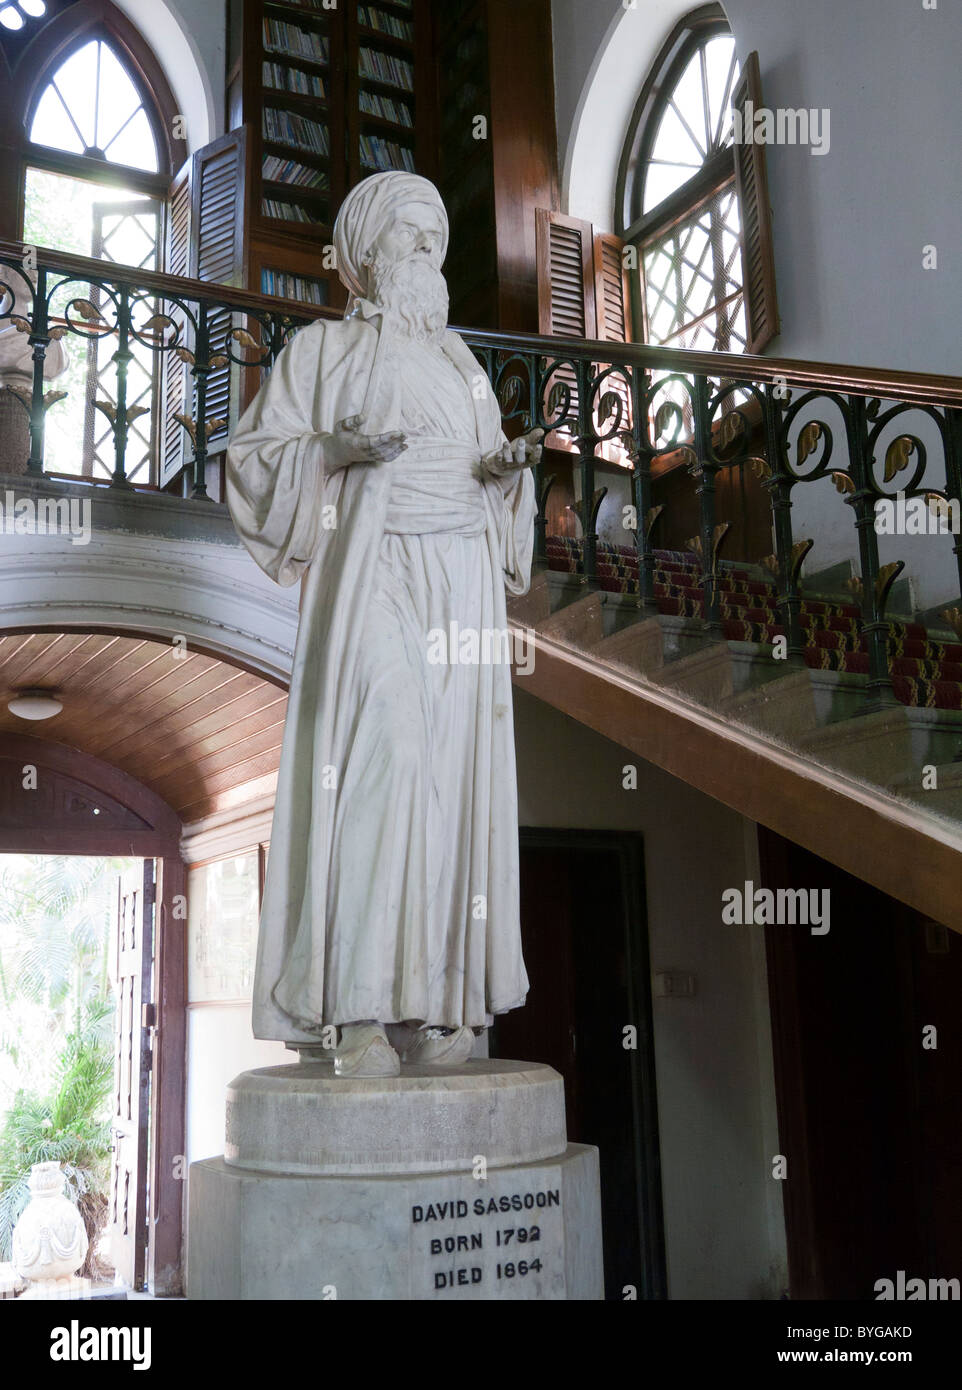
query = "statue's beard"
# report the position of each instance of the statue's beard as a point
(413, 292)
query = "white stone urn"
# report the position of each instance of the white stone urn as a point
(49, 1240)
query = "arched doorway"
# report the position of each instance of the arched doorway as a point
(55, 799)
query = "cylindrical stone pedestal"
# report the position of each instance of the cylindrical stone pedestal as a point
(433, 1184)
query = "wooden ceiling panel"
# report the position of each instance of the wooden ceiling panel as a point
(200, 720)
(175, 700)
(201, 733)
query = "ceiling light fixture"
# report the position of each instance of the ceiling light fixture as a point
(34, 704)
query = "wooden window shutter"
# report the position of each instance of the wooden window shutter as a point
(217, 248)
(612, 301)
(566, 283)
(751, 182)
(613, 314)
(174, 390)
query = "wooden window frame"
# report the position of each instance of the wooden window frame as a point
(719, 173)
(51, 45)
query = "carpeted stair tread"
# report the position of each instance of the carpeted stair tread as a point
(925, 672)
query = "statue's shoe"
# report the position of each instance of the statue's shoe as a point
(365, 1051)
(437, 1048)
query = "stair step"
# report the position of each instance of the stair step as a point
(720, 671)
(579, 624)
(530, 609)
(641, 647)
(649, 643)
(890, 745)
(945, 798)
(799, 701)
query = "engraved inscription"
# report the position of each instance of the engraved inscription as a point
(506, 1235)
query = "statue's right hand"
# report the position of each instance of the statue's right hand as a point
(348, 445)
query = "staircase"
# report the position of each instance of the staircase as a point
(806, 717)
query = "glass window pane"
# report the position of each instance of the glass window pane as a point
(674, 144)
(722, 71)
(117, 98)
(76, 80)
(52, 126)
(689, 99)
(695, 121)
(87, 218)
(661, 181)
(703, 261)
(134, 145)
(92, 104)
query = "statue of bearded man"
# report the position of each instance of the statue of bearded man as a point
(391, 904)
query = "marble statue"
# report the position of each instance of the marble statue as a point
(373, 468)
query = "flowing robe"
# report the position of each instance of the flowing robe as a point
(392, 881)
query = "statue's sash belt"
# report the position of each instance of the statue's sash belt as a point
(436, 488)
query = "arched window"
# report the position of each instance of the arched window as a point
(91, 107)
(91, 116)
(681, 187)
(85, 167)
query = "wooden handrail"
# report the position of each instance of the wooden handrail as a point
(918, 387)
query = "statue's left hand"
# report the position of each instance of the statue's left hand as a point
(514, 455)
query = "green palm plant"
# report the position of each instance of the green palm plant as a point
(67, 1126)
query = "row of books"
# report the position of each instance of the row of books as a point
(384, 67)
(281, 79)
(385, 154)
(277, 170)
(386, 107)
(286, 212)
(290, 128)
(312, 4)
(280, 37)
(286, 286)
(385, 23)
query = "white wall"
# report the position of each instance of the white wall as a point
(188, 38)
(716, 1105)
(220, 1045)
(849, 225)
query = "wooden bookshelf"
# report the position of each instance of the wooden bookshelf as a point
(494, 60)
(328, 96)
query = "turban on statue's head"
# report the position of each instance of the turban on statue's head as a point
(367, 209)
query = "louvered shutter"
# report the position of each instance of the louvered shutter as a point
(566, 288)
(217, 214)
(613, 316)
(751, 181)
(611, 290)
(566, 296)
(175, 378)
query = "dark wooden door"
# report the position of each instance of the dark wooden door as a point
(586, 951)
(869, 1116)
(132, 953)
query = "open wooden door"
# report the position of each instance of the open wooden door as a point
(131, 962)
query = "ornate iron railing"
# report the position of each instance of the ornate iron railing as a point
(793, 423)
